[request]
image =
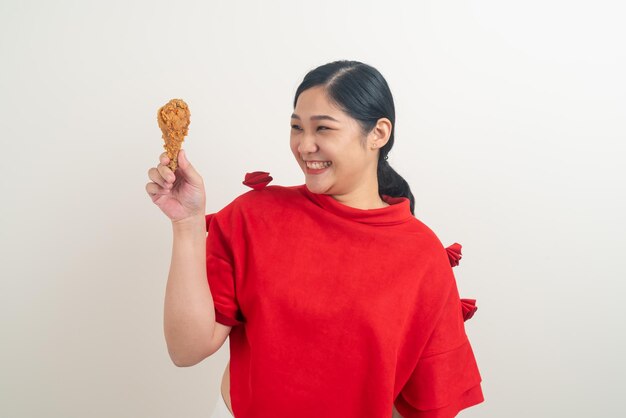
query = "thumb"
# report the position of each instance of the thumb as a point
(188, 171)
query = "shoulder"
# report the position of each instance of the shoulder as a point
(271, 193)
(428, 239)
(263, 198)
(267, 200)
(433, 254)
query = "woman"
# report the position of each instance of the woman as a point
(337, 300)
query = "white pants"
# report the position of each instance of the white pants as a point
(221, 410)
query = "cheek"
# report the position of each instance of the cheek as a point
(294, 147)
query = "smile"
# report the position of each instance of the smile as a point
(318, 165)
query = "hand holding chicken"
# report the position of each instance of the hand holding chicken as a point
(179, 193)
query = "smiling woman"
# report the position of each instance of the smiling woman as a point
(337, 301)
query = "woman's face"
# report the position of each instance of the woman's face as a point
(323, 133)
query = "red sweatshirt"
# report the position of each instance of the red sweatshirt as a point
(338, 311)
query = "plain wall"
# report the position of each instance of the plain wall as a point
(509, 129)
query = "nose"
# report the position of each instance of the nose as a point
(307, 145)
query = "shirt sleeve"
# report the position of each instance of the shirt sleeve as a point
(446, 378)
(221, 272)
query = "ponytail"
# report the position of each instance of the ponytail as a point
(391, 183)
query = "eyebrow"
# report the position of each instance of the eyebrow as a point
(315, 117)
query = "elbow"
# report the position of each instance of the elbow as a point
(186, 359)
(180, 361)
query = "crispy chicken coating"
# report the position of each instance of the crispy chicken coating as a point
(174, 119)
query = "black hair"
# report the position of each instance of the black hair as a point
(361, 91)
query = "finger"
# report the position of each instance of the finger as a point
(167, 174)
(154, 189)
(155, 175)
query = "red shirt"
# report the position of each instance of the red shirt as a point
(338, 311)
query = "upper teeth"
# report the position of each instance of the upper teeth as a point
(318, 165)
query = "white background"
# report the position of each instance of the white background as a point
(510, 130)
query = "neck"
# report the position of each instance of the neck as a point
(364, 197)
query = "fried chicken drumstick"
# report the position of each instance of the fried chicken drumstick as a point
(174, 119)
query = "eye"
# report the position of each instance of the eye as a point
(319, 127)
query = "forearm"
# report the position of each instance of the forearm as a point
(189, 316)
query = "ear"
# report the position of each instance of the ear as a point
(380, 133)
